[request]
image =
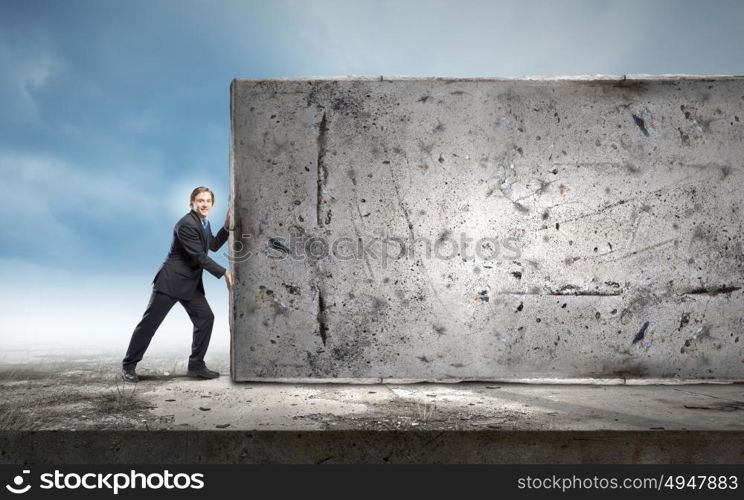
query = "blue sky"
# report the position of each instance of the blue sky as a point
(113, 111)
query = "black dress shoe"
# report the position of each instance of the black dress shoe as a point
(129, 375)
(202, 373)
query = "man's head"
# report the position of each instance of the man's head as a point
(202, 200)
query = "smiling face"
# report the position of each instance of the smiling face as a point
(202, 204)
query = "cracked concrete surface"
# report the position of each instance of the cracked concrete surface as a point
(466, 406)
(70, 410)
(83, 393)
(488, 228)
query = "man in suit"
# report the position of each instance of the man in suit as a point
(179, 279)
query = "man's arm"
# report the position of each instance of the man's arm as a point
(189, 238)
(216, 242)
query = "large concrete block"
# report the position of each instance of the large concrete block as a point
(488, 228)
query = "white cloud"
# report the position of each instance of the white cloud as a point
(25, 72)
(48, 194)
(75, 218)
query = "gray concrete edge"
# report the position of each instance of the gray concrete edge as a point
(535, 381)
(535, 78)
(382, 447)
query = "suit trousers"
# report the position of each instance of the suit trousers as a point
(157, 309)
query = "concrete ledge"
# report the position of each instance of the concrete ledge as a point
(346, 447)
(546, 78)
(535, 381)
(75, 411)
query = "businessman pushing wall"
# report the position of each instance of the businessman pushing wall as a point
(179, 279)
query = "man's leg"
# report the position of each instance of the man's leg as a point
(203, 319)
(157, 310)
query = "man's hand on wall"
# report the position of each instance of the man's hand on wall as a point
(227, 220)
(228, 279)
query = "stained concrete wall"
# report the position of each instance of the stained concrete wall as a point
(487, 228)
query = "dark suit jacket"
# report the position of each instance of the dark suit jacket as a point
(180, 276)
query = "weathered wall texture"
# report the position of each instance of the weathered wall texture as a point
(576, 227)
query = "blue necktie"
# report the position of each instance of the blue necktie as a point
(205, 225)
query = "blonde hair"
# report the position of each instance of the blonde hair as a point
(199, 190)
